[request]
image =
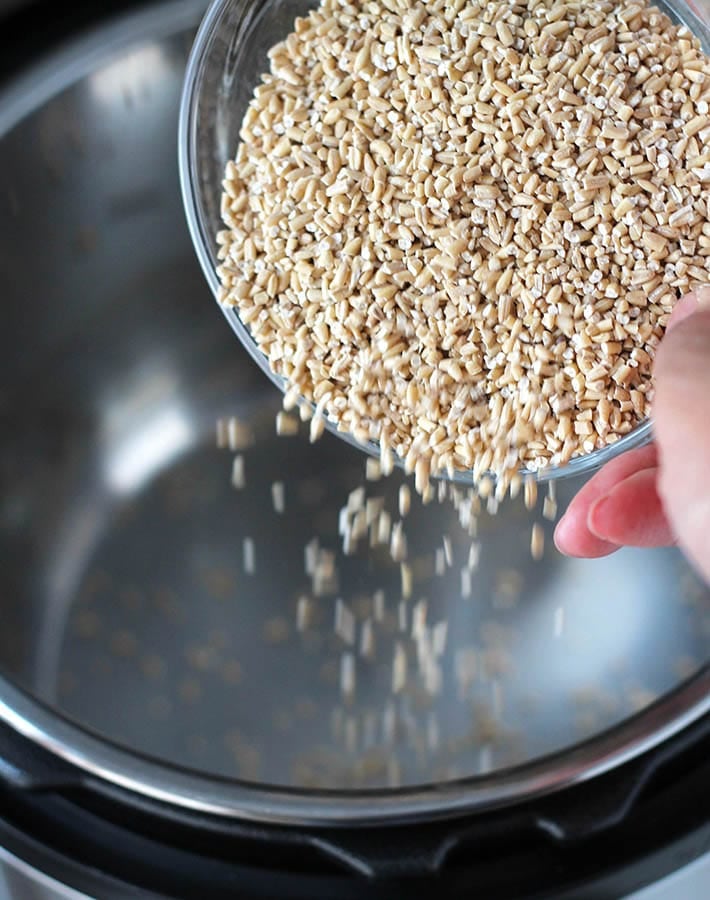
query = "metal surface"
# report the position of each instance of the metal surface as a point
(126, 605)
(20, 881)
(8, 6)
(692, 882)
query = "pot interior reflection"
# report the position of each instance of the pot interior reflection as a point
(126, 600)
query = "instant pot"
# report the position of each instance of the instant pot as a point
(185, 710)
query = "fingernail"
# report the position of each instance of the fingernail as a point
(595, 518)
(559, 536)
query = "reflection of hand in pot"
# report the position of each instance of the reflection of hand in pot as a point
(658, 495)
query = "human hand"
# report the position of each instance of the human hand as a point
(658, 495)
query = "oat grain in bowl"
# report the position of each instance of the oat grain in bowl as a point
(459, 228)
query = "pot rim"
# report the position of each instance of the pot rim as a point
(271, 804)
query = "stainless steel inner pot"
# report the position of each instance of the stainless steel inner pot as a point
(136, 643)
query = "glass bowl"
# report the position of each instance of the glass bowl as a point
(227, 59)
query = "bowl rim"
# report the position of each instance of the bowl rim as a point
(205, 248)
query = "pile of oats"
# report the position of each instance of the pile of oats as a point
(458, 228)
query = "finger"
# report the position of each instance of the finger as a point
(632, 513)
(681, 412)
(573, 536)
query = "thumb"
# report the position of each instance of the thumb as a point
(681, 413)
